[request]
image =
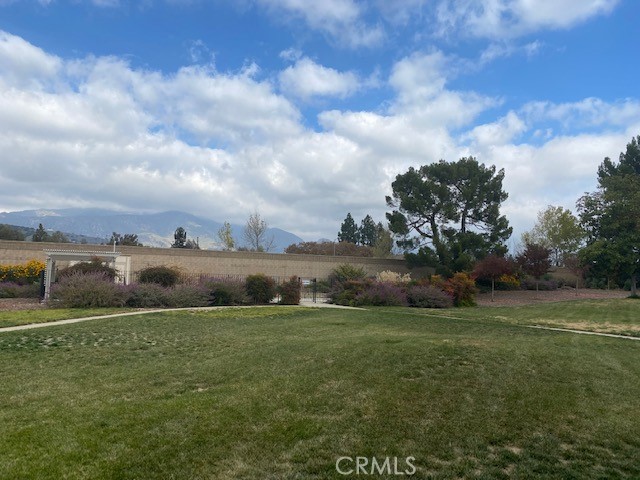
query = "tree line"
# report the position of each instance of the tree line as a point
(446, 216)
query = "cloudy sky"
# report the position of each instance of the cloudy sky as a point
(306, 110)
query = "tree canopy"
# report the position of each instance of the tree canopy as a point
(128, 239)
(255, 234)
(8, 232)
(349, 231)
(557, 229)
(454, 208)
(611, 216)
(225, 235)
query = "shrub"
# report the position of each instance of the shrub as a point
(225, 291)
(347, 281)
(382, 294)
(393, 277)
(428, 297)
(80, 290)
(508, 282)
(183, 296)
(95, 266)
(344, 293)
(22, 274)
(147, 295)
(462, 289)
(16, 290)
(346, 272)
(161, 275)
(289, 291)
(260, 288)
(545, 285)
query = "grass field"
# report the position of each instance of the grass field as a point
(9, 318)
(271, 393)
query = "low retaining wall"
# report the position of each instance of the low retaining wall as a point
(208, 262)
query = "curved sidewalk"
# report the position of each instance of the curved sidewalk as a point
(31, 326)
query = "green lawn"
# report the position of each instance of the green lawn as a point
(618, 316)
(10, 318)
(280, 392)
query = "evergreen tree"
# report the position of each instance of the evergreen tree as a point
(349, 230)
(40, 235)
(7, 232)
(180, 237)
(368, 231)
(611, 217)
(455, 210)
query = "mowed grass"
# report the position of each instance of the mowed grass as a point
(617, 316)
(10, 318)
(271, 393)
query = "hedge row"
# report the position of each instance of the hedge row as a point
(351, 287)
(97, 289)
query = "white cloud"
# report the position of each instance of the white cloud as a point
(24, 63)
(590, 112)
(341, 20)
(97, 132)
(420, 82)
(306, 79)
(511, 18)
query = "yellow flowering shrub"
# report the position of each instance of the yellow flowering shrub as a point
(508, 282)
(27, 273)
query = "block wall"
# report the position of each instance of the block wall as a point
(208, 262)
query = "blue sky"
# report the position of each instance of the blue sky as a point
(306, 110)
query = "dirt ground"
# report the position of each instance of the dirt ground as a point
(20, 304)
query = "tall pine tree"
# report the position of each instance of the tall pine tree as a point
(349, 230)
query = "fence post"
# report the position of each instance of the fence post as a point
(315, 289)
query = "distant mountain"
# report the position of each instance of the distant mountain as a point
(155, 229)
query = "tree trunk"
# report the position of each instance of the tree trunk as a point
(634, 291)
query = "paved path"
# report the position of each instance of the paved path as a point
(304, 302)
(582, 332)
(30, 326)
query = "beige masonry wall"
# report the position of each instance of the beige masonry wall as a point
(208, 262)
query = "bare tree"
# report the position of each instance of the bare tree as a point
(255, 234)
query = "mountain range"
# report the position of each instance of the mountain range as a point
(153, 229)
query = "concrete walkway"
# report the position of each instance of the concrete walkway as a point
(582, 332)
(303, 303)
(31, 326)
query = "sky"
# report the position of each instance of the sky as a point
(306, 110)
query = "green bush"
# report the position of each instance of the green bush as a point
(95, 266)
(346, 272)
(161, 275)
(260, 288)
(88, 290)
(289, 291)
(345, 293)
(226, 291)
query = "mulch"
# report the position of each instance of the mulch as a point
(20, 304)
